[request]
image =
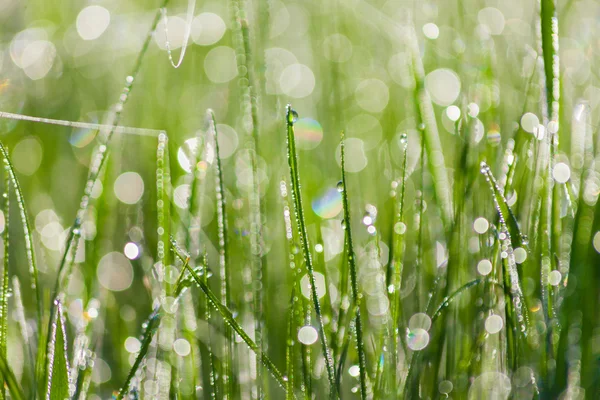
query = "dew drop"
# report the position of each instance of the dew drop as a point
(292, 116)
(340, 186)
(403, 139)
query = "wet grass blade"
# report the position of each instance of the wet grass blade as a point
(503, 209)
(356, 298)
(10, 380)
(395, 268)
(227, 316)
(291, 115)
(57, 367)
(289, 350)
(223, 255)
(151, 325)
(248, 90)
(431, 137)
(449, 299)
(4, 287)
(549, 46)
(31, 260)
(516, 309)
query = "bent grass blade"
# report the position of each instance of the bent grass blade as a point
(227, 315)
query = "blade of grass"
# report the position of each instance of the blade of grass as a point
(395, 268)
(356, 296)
(449, 299)
(301, 226)
(517, 311)
(4, 288)
(20, 317)
(223, 256)
(150, 326)
(28, 238)
(228, 316)
(549, 48)
(57, 380)
(290, 345)
(248, 90)
(12, 384)
(307, 363)
(186, 34)
(84, 378)
(431, 137)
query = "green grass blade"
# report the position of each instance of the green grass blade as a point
(28, 238)
(4, 287)
(549, 46)
(517, 311)
(449, 299)
(431, 137)
(223, 247)
(395, 268)
(518, 239)
(57, 367)
(227, 316)
(356, 297)
(151, 325)
(163, 203)
(10, 380)
(249, 93)
(289, 350)
(301, 226)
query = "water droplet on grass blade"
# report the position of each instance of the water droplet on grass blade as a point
(404, 140)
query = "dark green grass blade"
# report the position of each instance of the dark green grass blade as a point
(362, 361)
(301, 225)
(4, 286)
(57, 367)
(151, 326)
(11, 381)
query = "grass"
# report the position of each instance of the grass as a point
(444, 245)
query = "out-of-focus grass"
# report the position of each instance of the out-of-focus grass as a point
(418, 279)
